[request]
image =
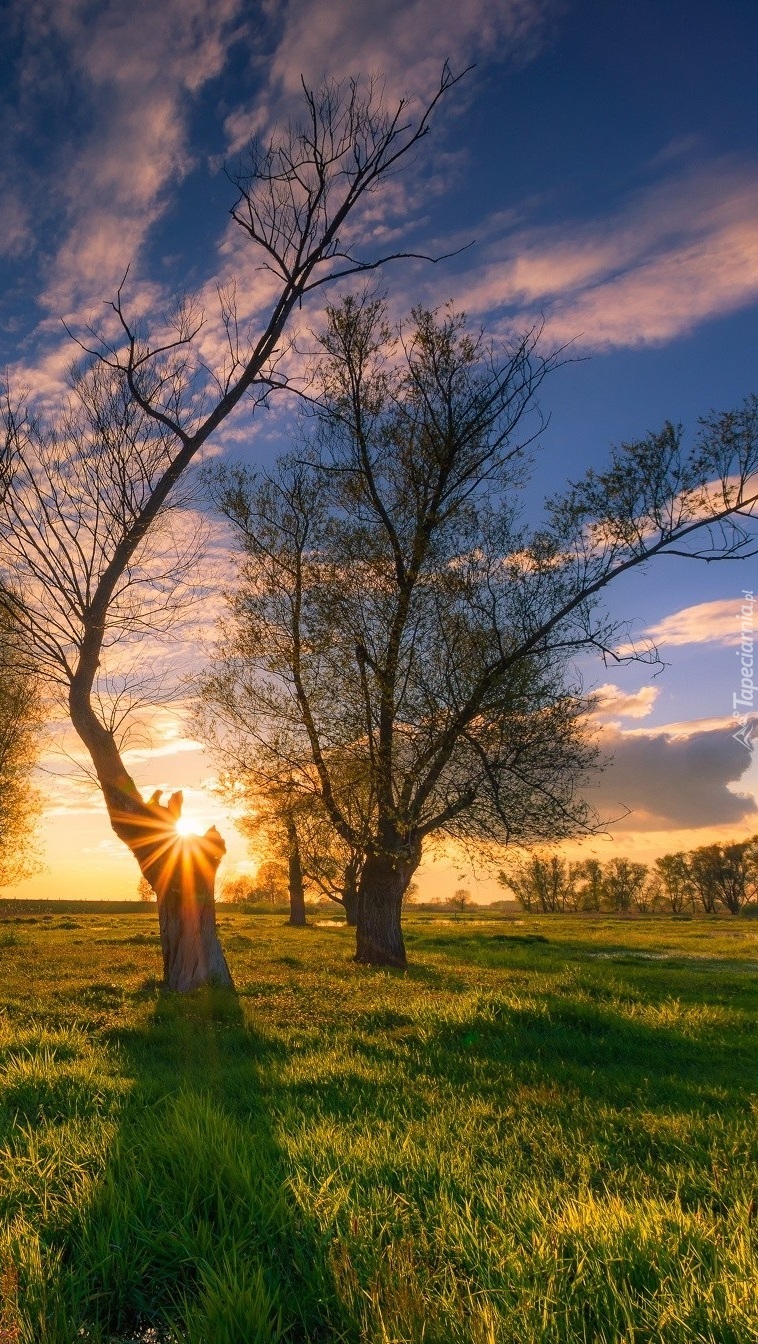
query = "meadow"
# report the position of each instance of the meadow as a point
(544, 1131)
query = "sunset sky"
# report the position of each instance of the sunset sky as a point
(601, 160)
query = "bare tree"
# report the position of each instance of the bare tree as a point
(394, 610)
(84, 499)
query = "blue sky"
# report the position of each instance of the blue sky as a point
(602, 160)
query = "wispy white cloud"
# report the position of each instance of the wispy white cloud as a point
(678, 253)
(133, 69)
(404, 41)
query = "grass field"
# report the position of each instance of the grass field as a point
(545, 1130)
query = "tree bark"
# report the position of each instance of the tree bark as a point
(295, 874)
(384, 881)
(350, 893)
(350, 902)
(181, 870)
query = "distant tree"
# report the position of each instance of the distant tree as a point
(725, 875)
(461, 900)
(145, 891)
(85, 494)
(236, 890)
(543, 882)
(648, 895)
(412, 893)
(591, 885)
(270, 883)
(704, 867)
(677, 885)
(20, 723)
(270, 820)
(624, 884)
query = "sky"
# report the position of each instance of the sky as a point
(599, 169)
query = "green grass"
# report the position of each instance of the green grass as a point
(545, 1130)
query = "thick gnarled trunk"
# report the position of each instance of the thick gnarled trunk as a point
(180, 869)
(182, 872)
(384, 882)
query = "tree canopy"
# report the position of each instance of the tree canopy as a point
(395, 613)
(20, 723)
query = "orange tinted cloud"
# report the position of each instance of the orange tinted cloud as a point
(615, 703)
(704, 623)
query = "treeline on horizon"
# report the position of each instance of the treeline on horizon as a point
(706, 880)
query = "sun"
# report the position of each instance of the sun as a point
(186, 826)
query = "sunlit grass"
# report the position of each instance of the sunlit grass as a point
(545, 1130)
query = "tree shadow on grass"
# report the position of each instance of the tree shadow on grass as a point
(191, 1230)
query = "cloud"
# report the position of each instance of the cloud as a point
(673, 782)
(614, 702)
(132, 69)
(679, 252)
(406, 41)
(705, 623)
(14, 222)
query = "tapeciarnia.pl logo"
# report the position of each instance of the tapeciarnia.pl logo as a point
(743, 702)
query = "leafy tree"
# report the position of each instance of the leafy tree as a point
(624, 882)
(85, 496)
(542, 883)
(592, 890)
(271, 882)
(20, 721)
(725, 875)
(704, 864)
(461, 900)
(373, 605)
(392, 609)
(673, 872)
(144, 890)
(236, 890)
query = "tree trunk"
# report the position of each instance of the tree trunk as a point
(384, 882)
(180, 869)
(296, 887)
(350, 893)
(182, 872)
(350, 902)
